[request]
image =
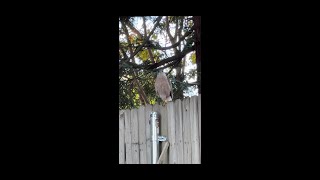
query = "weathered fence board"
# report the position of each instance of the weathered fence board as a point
(199, 118)
(127, 137)
(121, 138)
(148, 133)
(164, 132)
(178, 126)
(180, 122)
(186, 131)
(142, 135)
(135, 136)
(171, 133)
(156, 108)
(195, 155)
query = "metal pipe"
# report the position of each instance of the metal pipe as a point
(154, 122)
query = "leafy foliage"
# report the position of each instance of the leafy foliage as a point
(135, 82)
(193, 58)
(143, 55)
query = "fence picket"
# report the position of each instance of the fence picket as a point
(121, 138)
(180, 122)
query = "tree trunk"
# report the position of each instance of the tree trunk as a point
(173, 39)
(197, 25)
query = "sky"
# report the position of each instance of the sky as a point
(193, 90)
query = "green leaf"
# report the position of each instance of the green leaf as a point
(152, 101)
(193, 58)
(144, 55)
(154, 36)
(137, 96)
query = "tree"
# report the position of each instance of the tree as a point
(148, 44)
(197, 25)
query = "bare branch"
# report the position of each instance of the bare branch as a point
(173, 45)
(181, 25)
(176, 31)
(134, 29)
(168, 30)
(144, 26)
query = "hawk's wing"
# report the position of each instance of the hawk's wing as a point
(162, 86)
(156, 87)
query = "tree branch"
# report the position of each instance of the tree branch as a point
(123, 52)
(173, 45)
(145, 41)
(134, 29)
(141, 92)
(181, 26)
(168, 29)
(173, 63)
(189, 84)
(162, 62)
(176, 31)
(124, 27)
(145, 33)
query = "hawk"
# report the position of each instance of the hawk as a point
(163, 87)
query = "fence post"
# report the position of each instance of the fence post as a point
(154, 121)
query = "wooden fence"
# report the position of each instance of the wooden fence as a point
(180, 122)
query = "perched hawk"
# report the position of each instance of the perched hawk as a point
(163, 87)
